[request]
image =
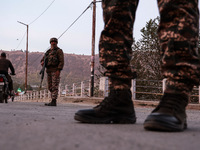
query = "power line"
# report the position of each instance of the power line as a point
(42, 12)
(68, 27)
(21, 40)
(76, 20)
(35, 20)
(89, 6)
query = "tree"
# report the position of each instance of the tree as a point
(146, 52)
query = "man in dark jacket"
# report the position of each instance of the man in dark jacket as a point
(5, 64)
(54, 62)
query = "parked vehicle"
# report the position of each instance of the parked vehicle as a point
(3, 89)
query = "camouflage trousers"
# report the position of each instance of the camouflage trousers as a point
(53, 83)
(178, 34)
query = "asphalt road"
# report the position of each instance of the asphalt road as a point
(33, 126)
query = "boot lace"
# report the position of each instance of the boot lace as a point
(174, 102)
(107, 102)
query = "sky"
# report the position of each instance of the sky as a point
(55, 20)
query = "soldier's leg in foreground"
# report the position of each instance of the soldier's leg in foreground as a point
(178, 32)
(115, 54)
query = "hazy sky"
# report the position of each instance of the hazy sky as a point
(56, 20)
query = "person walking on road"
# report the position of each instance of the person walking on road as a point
(178, 34)
(54, 62)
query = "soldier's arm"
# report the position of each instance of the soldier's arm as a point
(11, 68)
(61, 59)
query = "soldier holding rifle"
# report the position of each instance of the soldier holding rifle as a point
(53, 61)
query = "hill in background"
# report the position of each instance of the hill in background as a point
(76, 69)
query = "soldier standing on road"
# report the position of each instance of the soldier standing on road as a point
(178, 33)
(54, 63)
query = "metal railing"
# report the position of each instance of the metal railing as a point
(150, 90)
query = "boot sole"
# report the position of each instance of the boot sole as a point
(108, 120)
(163, 125)
(49, 105)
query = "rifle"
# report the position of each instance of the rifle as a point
(42, 71)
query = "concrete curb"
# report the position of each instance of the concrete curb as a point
(139, 103)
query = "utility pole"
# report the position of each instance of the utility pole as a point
(26, 66)
(93, 49)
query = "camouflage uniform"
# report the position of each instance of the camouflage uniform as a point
(55, 61)
(53, 83)
(178, 33)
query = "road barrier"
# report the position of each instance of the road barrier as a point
(150, 90)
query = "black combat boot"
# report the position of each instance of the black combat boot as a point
(52, 103)
(116, 108)
(169, 115)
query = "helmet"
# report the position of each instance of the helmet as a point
(54, 40)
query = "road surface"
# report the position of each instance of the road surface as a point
(32, 126)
